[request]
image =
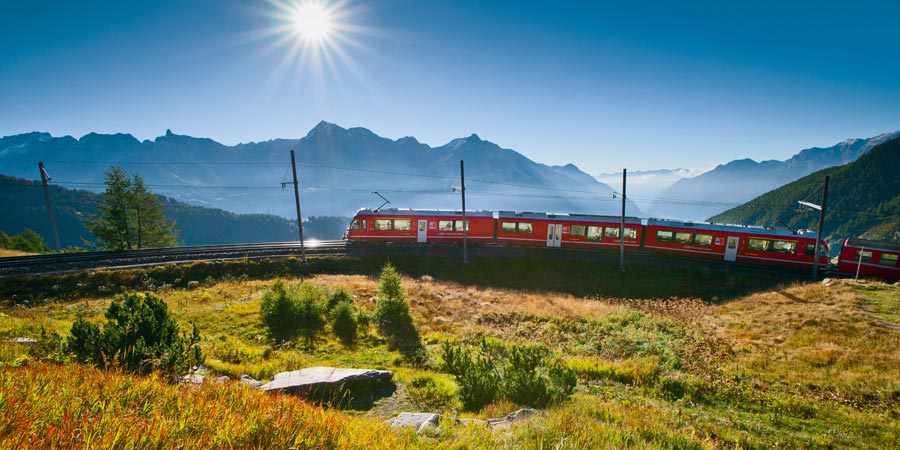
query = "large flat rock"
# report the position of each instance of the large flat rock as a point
(316, 378)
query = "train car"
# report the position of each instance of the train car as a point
(566, 230)
(741, 243)
(867, 258)
(422, 226)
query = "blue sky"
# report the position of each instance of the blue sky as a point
(603, 85)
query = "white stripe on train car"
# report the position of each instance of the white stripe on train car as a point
(873, 265)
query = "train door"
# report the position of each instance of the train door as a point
(731, 248)
(554, 235)
(422, 231)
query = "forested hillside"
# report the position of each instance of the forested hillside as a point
(863, 199)
(23, 205)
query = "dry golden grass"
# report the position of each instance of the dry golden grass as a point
(6, 252)
(812, 337)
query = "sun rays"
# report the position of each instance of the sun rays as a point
(317, 38)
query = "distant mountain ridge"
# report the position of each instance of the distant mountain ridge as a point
(340, 168)
(644, 185)
(742, 180)
(863, 199)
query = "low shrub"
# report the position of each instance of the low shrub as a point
(528, 375)
(344, 323)
(139, 336)
(340, 295)
(391, 315)
(289, 312)
(310, 308)
(278, 312)
(475, 374)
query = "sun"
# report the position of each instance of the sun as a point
(318, 39)
(311, 21)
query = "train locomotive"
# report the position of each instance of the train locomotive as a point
(738, 243)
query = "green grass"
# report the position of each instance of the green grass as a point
(801, 366)
(882, 300)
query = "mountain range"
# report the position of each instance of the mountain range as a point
(736, 182)
(863, 199)
(644, 185)
(339, 170)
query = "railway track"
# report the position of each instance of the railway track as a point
(72, 262)
(67, 262)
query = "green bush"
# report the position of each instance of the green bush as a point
(26, 241)
(391, 315)
(340, 295)
(310, 308)
(528, 377)
(138, 336)
(289, 313)
(475, 374)
(278, 312)
(343, 322)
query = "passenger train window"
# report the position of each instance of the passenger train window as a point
(452, 225)
(516, 227)
(401, 224)
(757, 245)
(631, 233)
(577, 230)
(810, 249)
(786, 247)
(383, 224)
(611, 232)
(864, 256)
(888, 259)
(365, 224)
(683, 238)
(703, 239)
(665, 236)
(593, 233)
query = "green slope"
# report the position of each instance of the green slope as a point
(22, 205)
(863, 199)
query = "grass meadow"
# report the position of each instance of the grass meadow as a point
(797, 365)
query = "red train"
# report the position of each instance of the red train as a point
(725, 242)
(740, 243)
(861, 257)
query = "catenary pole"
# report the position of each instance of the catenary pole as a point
(44, 180)
(622, 227)
(462, 180)
(819, 231)
(299, 217)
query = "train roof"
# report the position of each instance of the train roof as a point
(874, 245)
(732, 228)
(566, 217)
(424, 212)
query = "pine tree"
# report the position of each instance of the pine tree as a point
(130, 216)
(153, 228)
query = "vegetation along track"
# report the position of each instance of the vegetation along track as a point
(67, 262)
(42, 264)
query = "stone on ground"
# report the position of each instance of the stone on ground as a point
(315, 378)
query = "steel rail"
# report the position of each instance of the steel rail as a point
(40, 264)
